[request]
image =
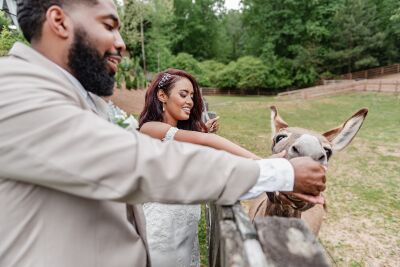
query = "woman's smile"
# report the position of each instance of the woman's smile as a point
(187, 110)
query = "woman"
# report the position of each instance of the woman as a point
(172, 111)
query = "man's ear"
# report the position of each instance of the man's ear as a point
(162, 96)
(58, 22)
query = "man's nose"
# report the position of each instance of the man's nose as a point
(119, 42)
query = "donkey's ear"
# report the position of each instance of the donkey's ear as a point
(341, 136)
(277, 122)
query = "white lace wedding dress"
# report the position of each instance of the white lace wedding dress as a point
(172, 231)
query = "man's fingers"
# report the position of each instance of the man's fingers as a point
(310, 199)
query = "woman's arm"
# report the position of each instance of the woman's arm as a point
(158, 130)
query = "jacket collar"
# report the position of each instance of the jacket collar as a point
(27, 53)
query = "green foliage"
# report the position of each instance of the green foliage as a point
(209, 70)
(130, 74)
(8, 38)
(131, 17)
(4, 20)
(251, 72)
(355, 40)
(159, 40)
(186, 62)
(197, 23)
(298, 42)
(228, 77)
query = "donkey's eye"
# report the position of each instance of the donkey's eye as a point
(279, 137)
(328, 152)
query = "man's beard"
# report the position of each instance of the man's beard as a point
(89, 67)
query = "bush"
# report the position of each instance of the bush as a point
(186, 62)
(252, 72)
(8, 38)
(209, 70)
(4, 20)
(228, 77)
(130, 74)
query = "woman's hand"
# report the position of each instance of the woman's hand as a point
(212, 125)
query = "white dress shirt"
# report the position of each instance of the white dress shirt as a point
(276, 174)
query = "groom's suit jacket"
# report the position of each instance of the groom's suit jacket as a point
(66, 174)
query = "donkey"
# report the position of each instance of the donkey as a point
(300, 142)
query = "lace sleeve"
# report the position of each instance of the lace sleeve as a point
(170, 134)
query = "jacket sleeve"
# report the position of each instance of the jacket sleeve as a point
(48, 139)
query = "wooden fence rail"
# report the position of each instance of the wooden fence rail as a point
(371, 73)
(384, 85)
(272, 241)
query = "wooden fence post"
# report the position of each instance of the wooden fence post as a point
(288, 242)
(273, 241)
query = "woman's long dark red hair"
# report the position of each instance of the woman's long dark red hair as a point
(153, 109)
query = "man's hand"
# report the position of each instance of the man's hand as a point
(308, 198)
(309, 178)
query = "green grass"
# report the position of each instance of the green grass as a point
(363, 195)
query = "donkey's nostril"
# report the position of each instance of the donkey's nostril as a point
(295, 150)
(322, 157)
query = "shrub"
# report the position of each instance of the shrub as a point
(209, 70)
(251, 72)
(130, 74)
(187, 63)
(228, 77)
(4, 20)
(8, 38)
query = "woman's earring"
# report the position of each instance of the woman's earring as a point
(163, 106)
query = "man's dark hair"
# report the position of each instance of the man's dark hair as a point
(32, 13)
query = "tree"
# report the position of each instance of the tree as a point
(187, 62)
(131, 16)
(209, 71)
(229, 36)
(388, 14)
(356, 40)
(8, 38)
(287, 30)
(251, 72)
(196, 27)
(160, 34)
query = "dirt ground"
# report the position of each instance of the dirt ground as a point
(132, 101)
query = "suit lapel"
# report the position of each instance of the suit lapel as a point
(102, 108)
(135, 213)
(27, 53)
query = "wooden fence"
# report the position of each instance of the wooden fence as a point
(220, 91)
(388, 86)
(272, 241)
(372, 73)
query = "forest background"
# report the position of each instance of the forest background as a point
(266, 45)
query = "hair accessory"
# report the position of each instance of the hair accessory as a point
(164, 79)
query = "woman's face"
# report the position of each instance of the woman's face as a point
(179, 102)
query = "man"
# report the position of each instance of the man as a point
(66, 174)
